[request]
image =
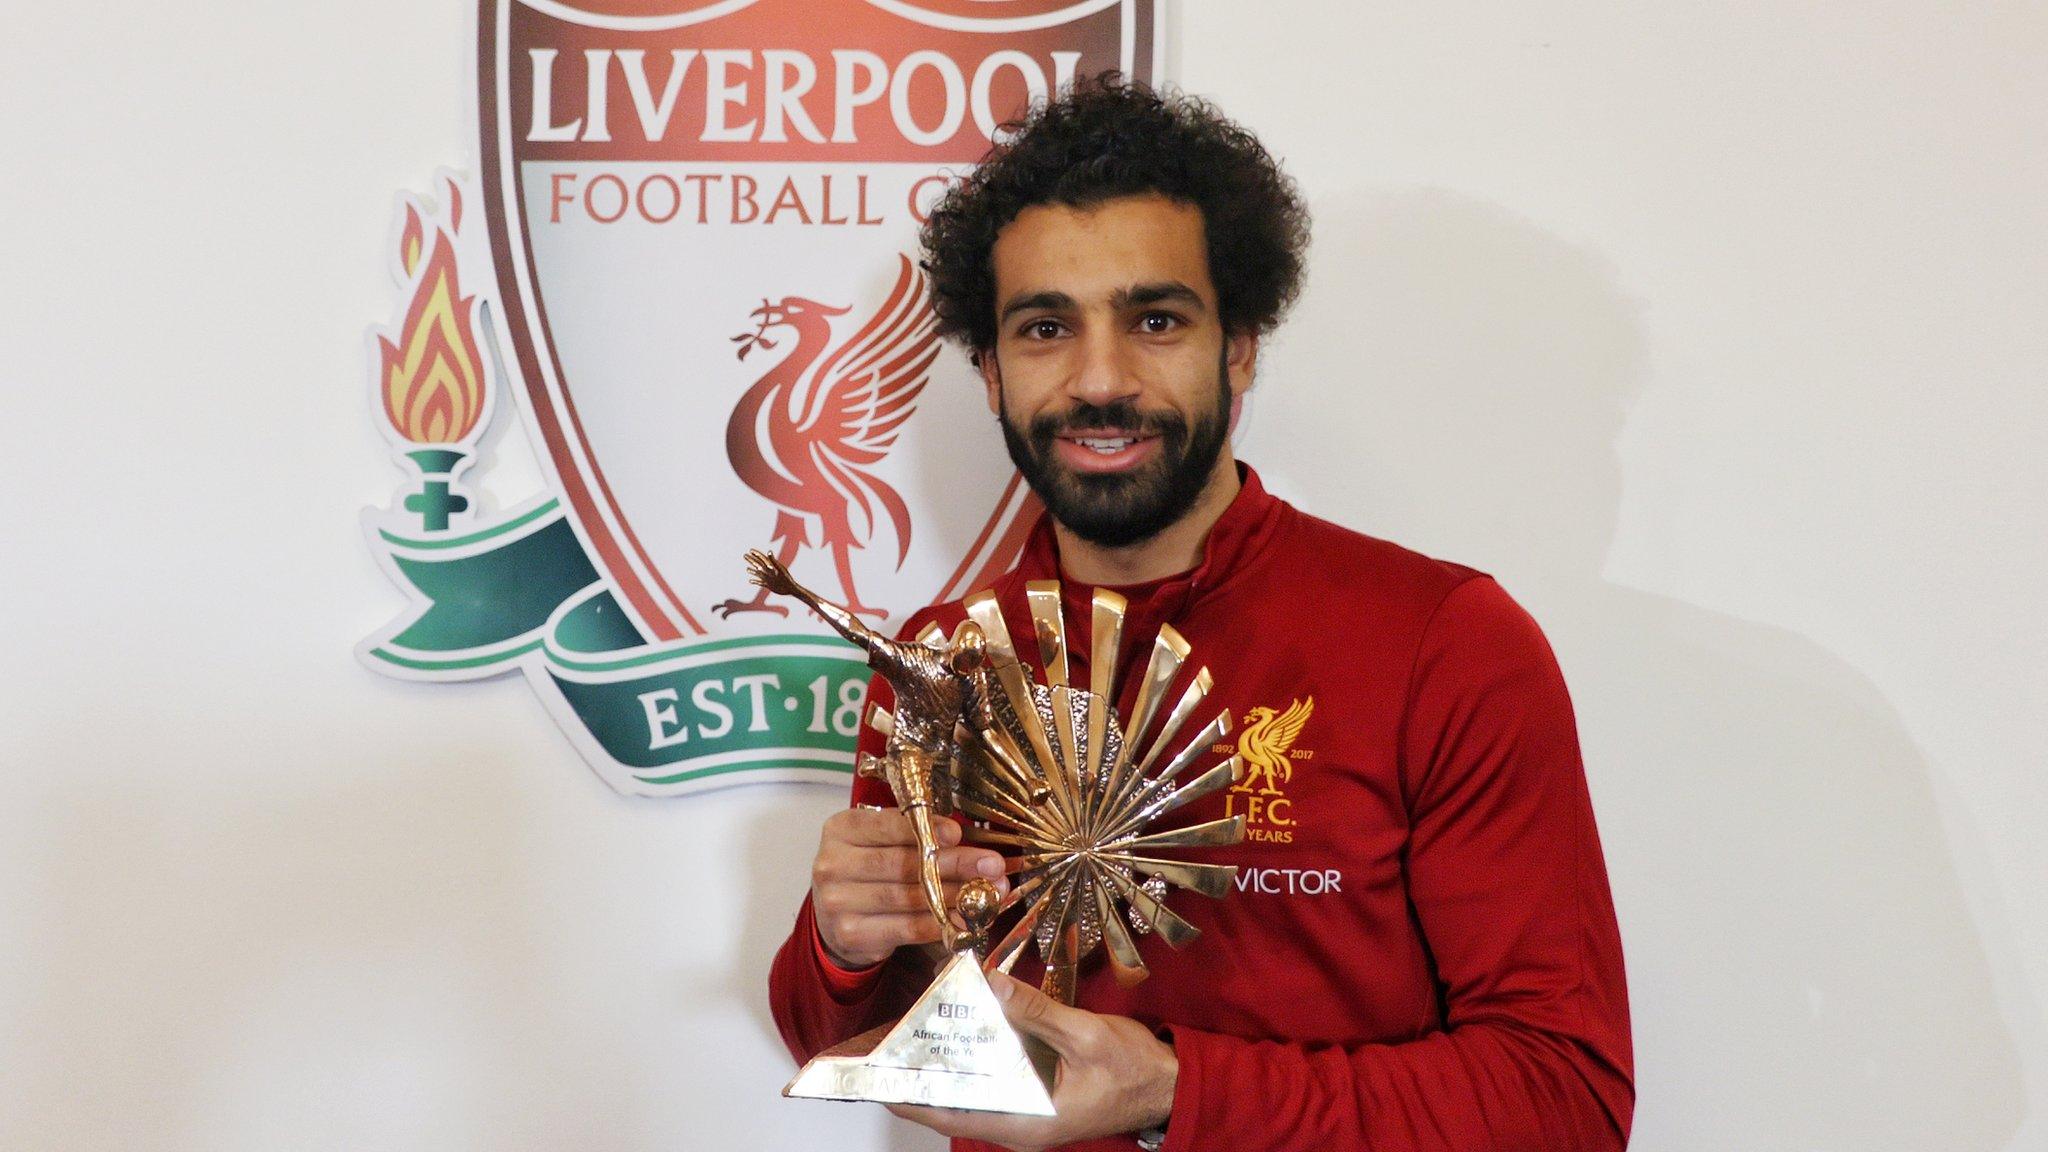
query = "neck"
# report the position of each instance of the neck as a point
(1168, 552)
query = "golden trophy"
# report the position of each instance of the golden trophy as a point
(1048, 770)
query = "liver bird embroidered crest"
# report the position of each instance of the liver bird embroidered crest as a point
(1267, 738)
(807, 435)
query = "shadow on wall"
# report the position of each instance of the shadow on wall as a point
(1802, 967)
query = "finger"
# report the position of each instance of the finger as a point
(940, 1120)
(868, 827)
(838, 900)
(843, 900)
(1035, 1013)
(876, 899)
(879, 935)
(963, 1124)
(873, 828)
(899, 864)
(967, 863)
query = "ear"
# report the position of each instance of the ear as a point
(1241, 361)
(992, 378)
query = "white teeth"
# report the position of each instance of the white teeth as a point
(1104, 446)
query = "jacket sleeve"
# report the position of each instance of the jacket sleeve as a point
(816, 1005)
(1507, 883)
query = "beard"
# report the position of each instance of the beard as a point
(1116, 510)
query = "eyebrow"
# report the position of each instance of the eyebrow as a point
(1140, 295)
(1051, 301)
(1135, 296)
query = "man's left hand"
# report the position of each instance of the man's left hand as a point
(1115, 1076)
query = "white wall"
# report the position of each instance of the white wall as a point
(1714, 330)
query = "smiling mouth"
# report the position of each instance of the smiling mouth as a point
(1106, 445)
(1106, 450)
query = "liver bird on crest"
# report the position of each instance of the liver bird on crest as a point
(1268, 737)
(807, 435)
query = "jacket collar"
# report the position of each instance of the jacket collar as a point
(1234, 542)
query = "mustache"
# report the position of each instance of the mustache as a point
(1121, 415)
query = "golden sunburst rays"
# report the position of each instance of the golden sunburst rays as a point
(1073, 789)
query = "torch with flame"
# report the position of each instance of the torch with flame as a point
(431, 377)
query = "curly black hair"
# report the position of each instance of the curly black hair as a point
(1109, 137)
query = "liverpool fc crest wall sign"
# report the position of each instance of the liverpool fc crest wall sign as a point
(686, 266)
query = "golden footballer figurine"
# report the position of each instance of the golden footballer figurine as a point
(937, 690)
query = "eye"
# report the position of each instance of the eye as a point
(1158, 323)
(1041, 329)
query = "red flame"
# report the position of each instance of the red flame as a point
(410, 243)
(433, 380)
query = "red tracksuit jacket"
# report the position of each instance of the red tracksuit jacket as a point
(1421, 951)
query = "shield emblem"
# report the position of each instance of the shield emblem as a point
(701, 221)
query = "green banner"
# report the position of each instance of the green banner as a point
(655, 718)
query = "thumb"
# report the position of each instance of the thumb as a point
(1034, 1013)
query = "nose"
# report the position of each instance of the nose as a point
(1103, 375)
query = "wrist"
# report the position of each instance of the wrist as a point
(1161, 1085)
(844, 983)
(841, 964)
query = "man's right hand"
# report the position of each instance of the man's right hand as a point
(866, 892)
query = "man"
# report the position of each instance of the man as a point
(1421, 950)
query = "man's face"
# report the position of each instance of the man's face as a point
(1111, 372)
